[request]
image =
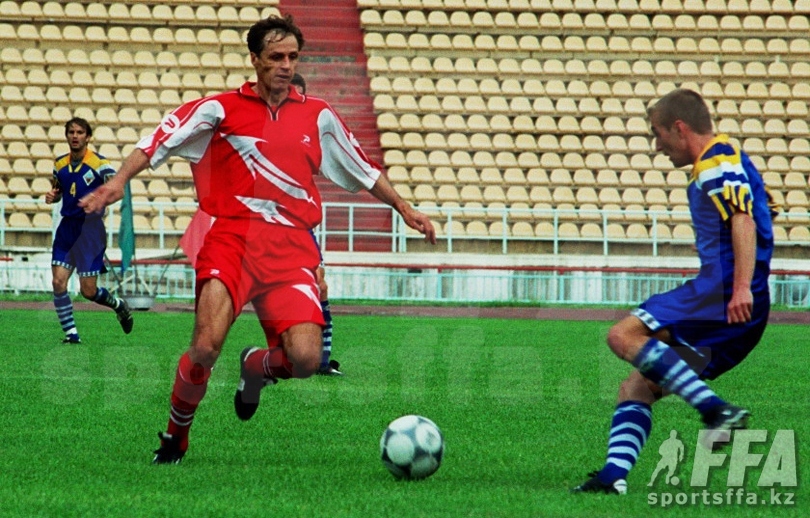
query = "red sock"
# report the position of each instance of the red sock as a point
(190, 384)
(272, 363)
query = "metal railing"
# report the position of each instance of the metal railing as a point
(399, 237)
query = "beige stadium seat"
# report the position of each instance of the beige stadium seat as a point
(38, 150)
(797, 198)
(453, 228)
(75, 10)
(799, 234)
(424, 192)
(42, 220)
(19, 220)
(11, 55)
(796, 109)
(590, 231)
(448, 193)
(141, 222)
(800, 163)
(18, 185)
(607, 178)
(544, 229)
(522, 229)
(162, 223)
(34, 56)
(568, 230)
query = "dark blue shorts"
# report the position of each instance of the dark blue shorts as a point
(80, 244)
(695, 316)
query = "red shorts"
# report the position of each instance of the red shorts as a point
(272, 266)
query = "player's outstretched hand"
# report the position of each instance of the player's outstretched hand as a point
(99, 199)
(418, 221)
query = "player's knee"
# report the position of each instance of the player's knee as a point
(88, 292)
(58, 285)
(305, 361)
(617, 340)
(303, 346)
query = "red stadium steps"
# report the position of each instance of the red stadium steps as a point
(334, 66)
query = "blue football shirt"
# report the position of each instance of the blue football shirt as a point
(90, 174)
(725, 181)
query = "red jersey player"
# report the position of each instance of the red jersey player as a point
(254, 153)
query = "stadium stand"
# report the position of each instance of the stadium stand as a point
(593, 90)
(469, 97)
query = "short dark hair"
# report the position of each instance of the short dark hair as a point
(298, 80)
(283, 26)
(78, 121)
(685, 105)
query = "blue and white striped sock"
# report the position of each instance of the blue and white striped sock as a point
(660, 364)
(105, 298)
(64, 310)
(631, 425)
(327, 335)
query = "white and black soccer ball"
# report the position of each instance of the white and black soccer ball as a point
(412, 447)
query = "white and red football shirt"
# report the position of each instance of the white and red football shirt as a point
(249, 160)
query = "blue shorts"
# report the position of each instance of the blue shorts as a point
(695, 316)
(80, 244)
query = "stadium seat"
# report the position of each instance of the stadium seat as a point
(42, 220)
(19, 220)
(799, 234)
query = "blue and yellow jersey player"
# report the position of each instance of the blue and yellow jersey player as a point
(702, 329)
(80, 240)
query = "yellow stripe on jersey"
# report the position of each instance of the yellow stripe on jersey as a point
(718, 152)
(722, 208)
(61, 162)
(734, 198)
(95, 161)
(715, 162)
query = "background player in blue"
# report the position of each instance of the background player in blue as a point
(80, 239)
(328, 366)
(700, 330)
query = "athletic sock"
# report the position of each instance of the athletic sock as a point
(327, 335)
(64, 311)
(105, 298)
(629, 429)
(271, 363)
(659, 363)
(190, 384)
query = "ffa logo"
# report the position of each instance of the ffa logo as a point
(88, 177)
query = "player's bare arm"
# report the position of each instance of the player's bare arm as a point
(383, 191)
(113, 190)
(743, 242)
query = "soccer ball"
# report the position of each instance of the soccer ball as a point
(412, 447)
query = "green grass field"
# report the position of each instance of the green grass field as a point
(524, 407)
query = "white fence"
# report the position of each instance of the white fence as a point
(420, 283)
